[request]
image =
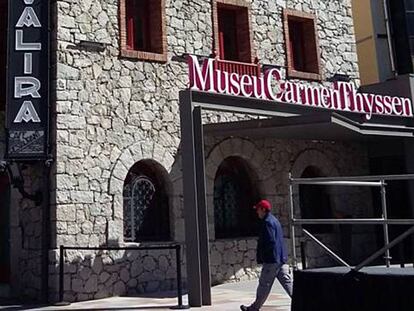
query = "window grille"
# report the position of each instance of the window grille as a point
(146, 203)
(138, 196)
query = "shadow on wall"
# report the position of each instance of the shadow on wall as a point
(106, 273)
(233, 260)
(235, 191)
(351, 242)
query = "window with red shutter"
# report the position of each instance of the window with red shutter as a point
(301, 45)
(297, 43)
(233, 31)
(142, 29)
(138, 31)
(228, 34)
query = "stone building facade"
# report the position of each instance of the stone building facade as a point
(115, 112)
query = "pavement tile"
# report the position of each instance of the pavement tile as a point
(225, 297)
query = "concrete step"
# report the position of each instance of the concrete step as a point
(4, 290)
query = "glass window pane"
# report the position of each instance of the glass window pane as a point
(410, 23)
(411, 45)
(409, 5)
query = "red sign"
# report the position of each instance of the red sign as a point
(341, 96)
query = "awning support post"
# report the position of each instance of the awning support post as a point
(195, 207)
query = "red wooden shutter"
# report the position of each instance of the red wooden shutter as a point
(291, 44)
(130, 10)
(221, 45)
(221, 34)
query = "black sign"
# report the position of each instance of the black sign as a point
(27, 104)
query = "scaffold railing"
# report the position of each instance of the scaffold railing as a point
(358, 181)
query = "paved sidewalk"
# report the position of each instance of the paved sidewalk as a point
(226, 297)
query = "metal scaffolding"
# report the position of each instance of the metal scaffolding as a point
(359, 181)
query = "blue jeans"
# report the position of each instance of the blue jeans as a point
(271, 271)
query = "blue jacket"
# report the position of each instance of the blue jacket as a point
(270, 246)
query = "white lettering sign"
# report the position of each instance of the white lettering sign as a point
(26, 86)
(343, 96)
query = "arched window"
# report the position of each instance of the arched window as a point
(234, 195)
(315, 202)
(146, 208)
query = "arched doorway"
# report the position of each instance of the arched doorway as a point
(235, 193)
(4, 229)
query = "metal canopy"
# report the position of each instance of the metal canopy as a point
(326, 126)
(289, 120)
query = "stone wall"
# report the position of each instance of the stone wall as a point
(26, 236)
(99, 274)
(233, 260)
(334, 27)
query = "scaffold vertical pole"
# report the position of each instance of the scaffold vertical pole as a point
(385, 225)
(292, 223)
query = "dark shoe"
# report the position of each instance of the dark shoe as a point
(244, 308)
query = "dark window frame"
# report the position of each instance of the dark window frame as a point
(137, 13)
(244, 48)
(154, 47)
(294, 25)
(228, 34)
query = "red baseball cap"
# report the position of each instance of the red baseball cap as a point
(263, 204)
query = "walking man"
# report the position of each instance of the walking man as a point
(271, 252)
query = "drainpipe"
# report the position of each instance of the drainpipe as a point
(388, 30)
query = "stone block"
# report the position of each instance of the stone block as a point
(104, 276)
(84, 273)
(124, 275)
(91, 284)
(149, 263)
(119, 288)
(77, 285)
(66, 212)
(136, 269)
